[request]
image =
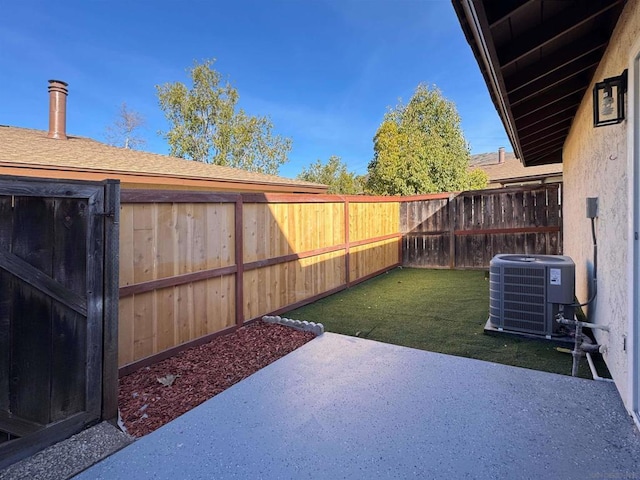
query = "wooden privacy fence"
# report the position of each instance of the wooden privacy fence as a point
(466, 230)
(194, 265)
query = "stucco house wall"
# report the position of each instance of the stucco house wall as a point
(596, 164)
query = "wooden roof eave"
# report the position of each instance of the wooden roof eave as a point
(527, 178)
(476, 26)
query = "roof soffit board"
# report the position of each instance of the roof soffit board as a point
(543, 54)
(474, 23)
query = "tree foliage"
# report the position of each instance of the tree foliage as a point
(207, 125)
(420, 148)
(333, 173)
(477, 179)
(125, 130)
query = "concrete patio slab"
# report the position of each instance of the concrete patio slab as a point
(343, 407)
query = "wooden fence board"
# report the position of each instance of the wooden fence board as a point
(143, 243)
(165, 323)
(541, 210)
(497, 213)
(199, 323)
(508, 208)
(68, 344)
(6, 294)
(481, 224)
(70, 232)
(126, 262)
(227, 234)
(126, 333)
(184, 231)
(166, 240)
(220, 302)
(30, 367)
(211, 237)
(262, 288)
(553, 202)
(487, 212)
(198, 232)
(31, 336)
(527, 217)
(184, 295)
(254, 248)
(478, 219)
(518, 210)
(467, 209)
(69, 349)
(143, 324)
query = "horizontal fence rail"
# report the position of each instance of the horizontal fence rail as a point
(195, 265)
(466, 230)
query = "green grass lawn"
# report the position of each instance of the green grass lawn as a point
(436, 310)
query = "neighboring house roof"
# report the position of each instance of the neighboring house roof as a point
(538, 58)
(29, 152)
(512, 170)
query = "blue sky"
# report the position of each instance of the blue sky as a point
(325, 71)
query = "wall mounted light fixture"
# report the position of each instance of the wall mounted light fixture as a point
(608, 100)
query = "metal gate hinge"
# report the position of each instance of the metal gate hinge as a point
(106, 214)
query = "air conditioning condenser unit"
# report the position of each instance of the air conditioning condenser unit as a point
(527, 292)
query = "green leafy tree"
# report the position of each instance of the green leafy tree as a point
(207, 126)
(420, 148)
(333, 173)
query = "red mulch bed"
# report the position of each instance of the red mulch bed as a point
(201, 372)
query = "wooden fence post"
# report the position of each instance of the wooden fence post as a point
(239, 248)
(452, 227)
(110, 305)
(347, 260)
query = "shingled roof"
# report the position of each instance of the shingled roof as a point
(512, 171)
(29, 152)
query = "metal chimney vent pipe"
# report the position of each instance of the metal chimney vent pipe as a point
(58, 109)
(501, 155)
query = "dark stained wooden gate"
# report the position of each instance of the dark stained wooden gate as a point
(58, 310)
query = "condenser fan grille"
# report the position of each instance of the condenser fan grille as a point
(523, 299)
